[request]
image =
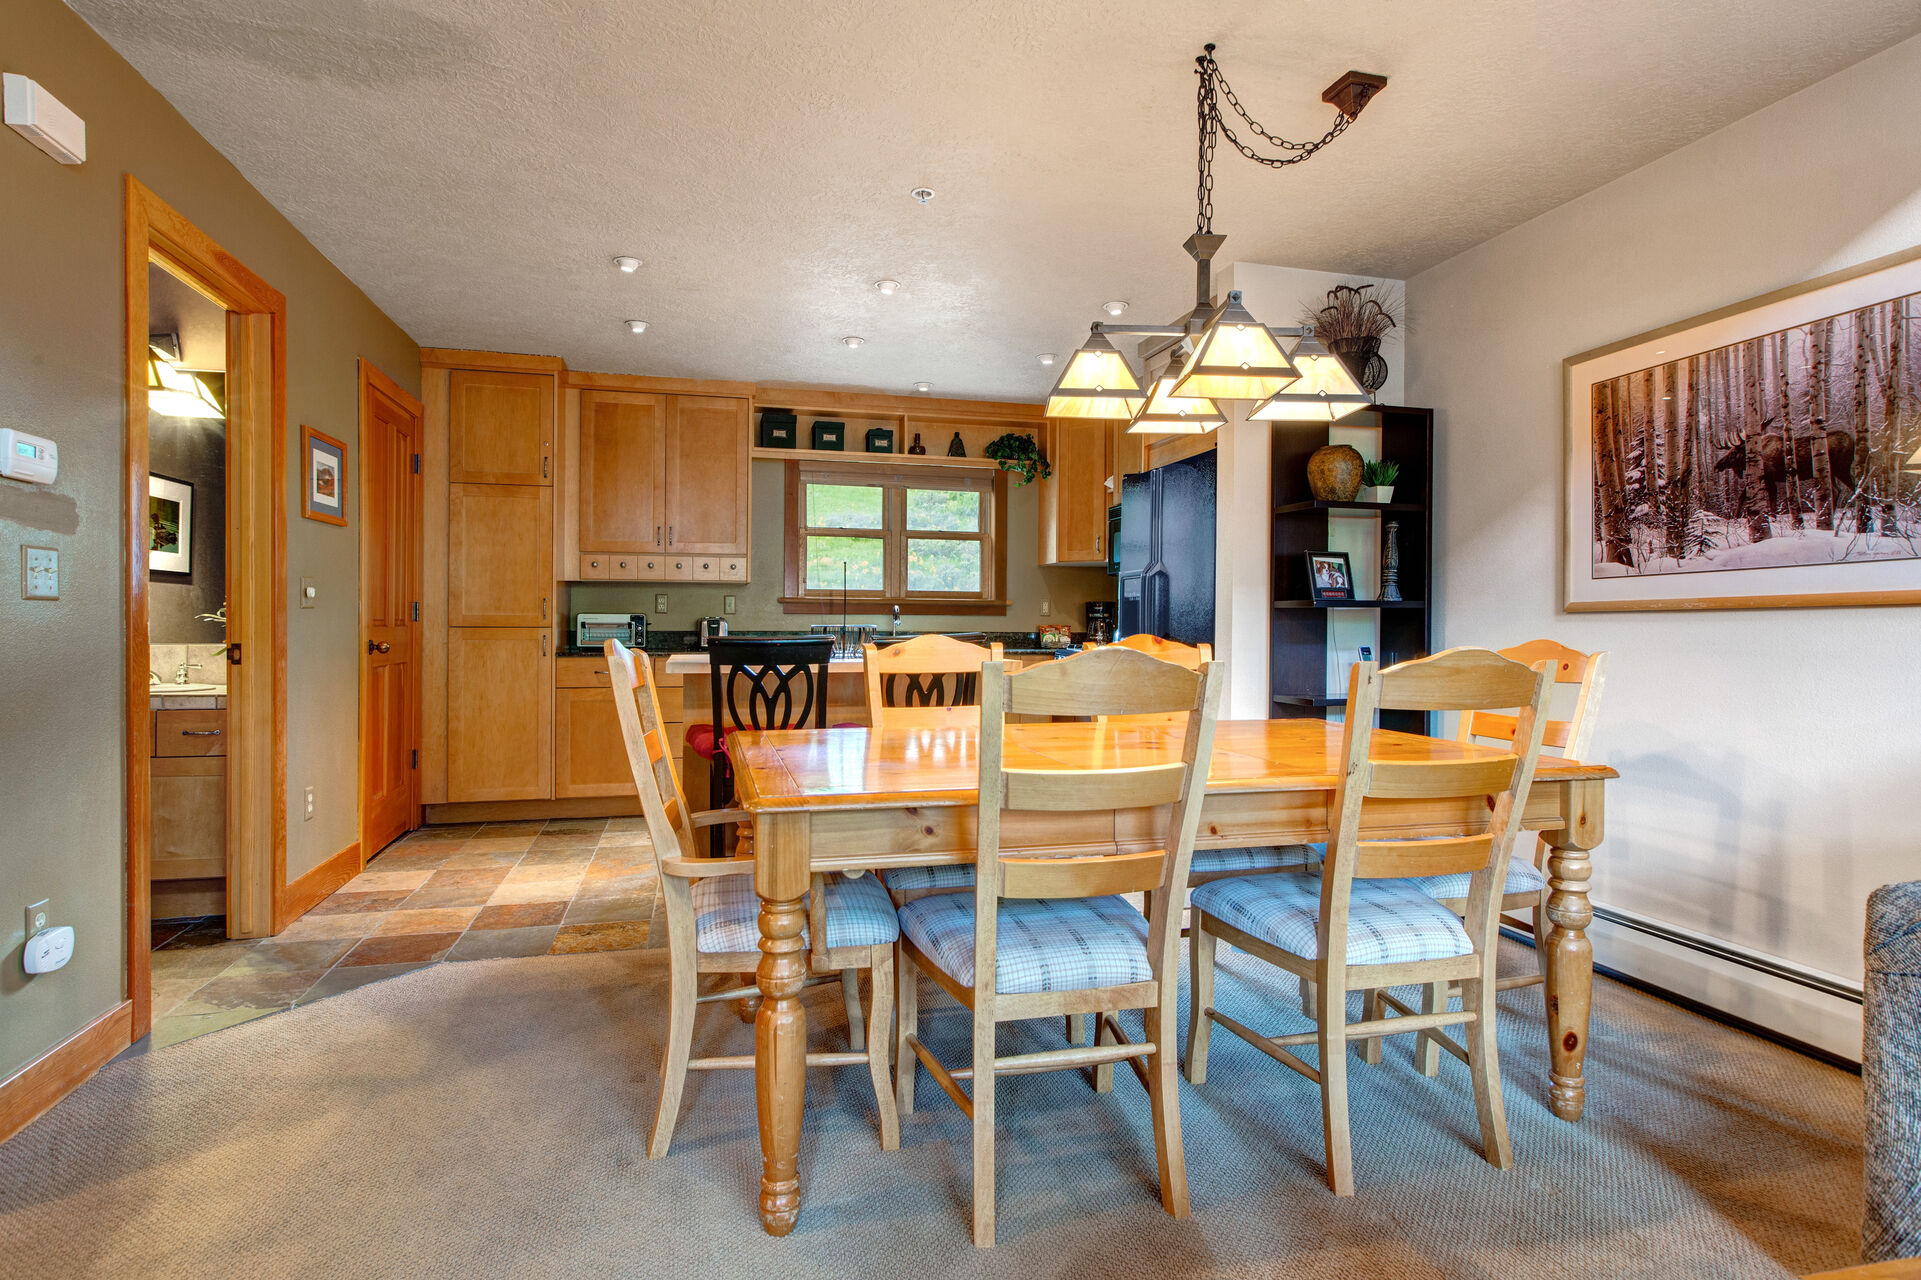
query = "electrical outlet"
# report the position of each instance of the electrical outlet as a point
(1047, 608)
(39, 573)
(38, 914)
(726, 604)
(309, 814)
(660, 602)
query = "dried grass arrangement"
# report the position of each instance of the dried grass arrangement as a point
(1353, 323)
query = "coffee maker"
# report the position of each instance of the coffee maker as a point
(1100, 621)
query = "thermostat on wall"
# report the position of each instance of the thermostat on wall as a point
(34, 459)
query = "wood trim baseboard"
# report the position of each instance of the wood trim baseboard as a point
(32, 1091)
(306, 893)
(526, 810)
(1895, 1269)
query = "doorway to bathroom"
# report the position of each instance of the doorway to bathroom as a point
(205, 599)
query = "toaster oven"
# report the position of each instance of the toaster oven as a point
(592, 630)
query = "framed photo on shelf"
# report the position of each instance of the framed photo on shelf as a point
(169, 528)
(324, 496)
(1329, 576)
(1766, 455)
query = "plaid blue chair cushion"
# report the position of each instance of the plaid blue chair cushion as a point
(1521, 878)
(1388, 921)
(956, 875)
(727, 914)
(1270, 858)
(1049, 944)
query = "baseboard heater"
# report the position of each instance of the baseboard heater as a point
(1746, 957)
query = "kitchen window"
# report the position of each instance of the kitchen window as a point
(930, 539)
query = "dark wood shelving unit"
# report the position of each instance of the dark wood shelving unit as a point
(1299, 631)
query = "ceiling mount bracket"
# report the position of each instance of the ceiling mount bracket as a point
(1353, 91)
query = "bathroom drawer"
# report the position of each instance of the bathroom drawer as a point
(190, 733)
(580, 673)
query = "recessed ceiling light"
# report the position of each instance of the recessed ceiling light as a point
(629, 265)
(636, 326)
(923, 386)
(1048, 357)
(888, 288)
(851, 341)
(1114, 308)
(922, 194)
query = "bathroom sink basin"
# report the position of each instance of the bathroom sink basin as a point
(185, 690)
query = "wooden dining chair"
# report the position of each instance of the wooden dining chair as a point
(919, 682)
(1046, 936)
(1526, 885)
(759, 683)
(1363, 924)
(713, 919)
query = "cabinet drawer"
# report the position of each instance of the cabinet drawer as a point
(706, 568)
(190, 733)
(188, 819)
(594, 567)
(626, 567)
(581, 673)
(733, 569)
(675, 568)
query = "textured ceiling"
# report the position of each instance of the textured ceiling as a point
(474, 164)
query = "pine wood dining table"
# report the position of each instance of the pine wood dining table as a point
(857, 800)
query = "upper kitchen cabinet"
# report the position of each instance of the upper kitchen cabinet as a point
(499, 555)
(622, 434)
(500, 427)
(1075, 498)
(706, 478)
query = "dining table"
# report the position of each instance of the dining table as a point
(858, 800)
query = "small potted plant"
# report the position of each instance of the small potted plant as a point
(1020, 453)
(1377, 480)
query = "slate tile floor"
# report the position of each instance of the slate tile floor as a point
(472, 892)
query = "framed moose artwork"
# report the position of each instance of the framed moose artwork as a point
(1765, 455)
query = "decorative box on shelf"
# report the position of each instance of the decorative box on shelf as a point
(778, 428)
(880, 440)
(829, 435)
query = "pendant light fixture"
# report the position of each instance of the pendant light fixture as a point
(1233, 355)
(1326, 392)
(1097, 383)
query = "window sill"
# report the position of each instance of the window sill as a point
(863, 605)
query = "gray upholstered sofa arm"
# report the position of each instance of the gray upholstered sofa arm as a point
(1891, 1072)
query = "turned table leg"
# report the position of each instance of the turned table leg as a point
(780, 1028)
(1569, 962)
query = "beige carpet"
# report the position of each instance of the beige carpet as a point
(489, 1119)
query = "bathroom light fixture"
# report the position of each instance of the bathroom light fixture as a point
(1048, 357)
(851, 341)
(628, 265)
(636, 326)
(1233, 356)
(888, 288)
(175, 393)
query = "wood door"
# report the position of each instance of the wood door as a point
(390, 497)
(500, 555)
(621, 452)
(189, 818)
(500, 699)
(1074, 499)
(590, 757)
(705, 476)
(500, 427)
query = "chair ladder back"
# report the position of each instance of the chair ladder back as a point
(1574, 736)
(1398, 859)
(1189, 656)
(670, 825)
(1440, 779)
(926, 671)
(1111, 681)
(769, 684)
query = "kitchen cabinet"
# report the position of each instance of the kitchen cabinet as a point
(188, 817)
(500, 427)
(500, 698)
(663, 487)
(590, 755)
(499, 555)
(1075, 498)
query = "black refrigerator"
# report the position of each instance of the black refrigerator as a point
(1166, 547)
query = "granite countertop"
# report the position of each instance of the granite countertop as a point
(668, 643)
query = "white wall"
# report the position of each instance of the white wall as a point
(1243, 591)
(1770, 759)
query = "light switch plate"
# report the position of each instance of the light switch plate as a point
(308, 593)
(39, 573)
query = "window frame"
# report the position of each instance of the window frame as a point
(894, 535)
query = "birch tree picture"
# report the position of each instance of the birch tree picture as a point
(1789, 448)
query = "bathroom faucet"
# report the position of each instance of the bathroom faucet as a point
(180, 676)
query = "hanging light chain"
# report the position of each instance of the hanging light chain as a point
(1214, 86)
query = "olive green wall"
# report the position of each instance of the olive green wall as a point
(62, 790)
(757, 603)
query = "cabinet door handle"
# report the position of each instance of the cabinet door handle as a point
(543, 644)
(670, 535)
(543, 468)
(543, 608)
(656, 535)
(200, 733)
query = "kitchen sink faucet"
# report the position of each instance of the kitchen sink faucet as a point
(896, 619)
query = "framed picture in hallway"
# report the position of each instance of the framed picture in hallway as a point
(325, 495)
(1759, 456)
(169, 528)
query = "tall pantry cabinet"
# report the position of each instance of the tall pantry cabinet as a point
(489, 464)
